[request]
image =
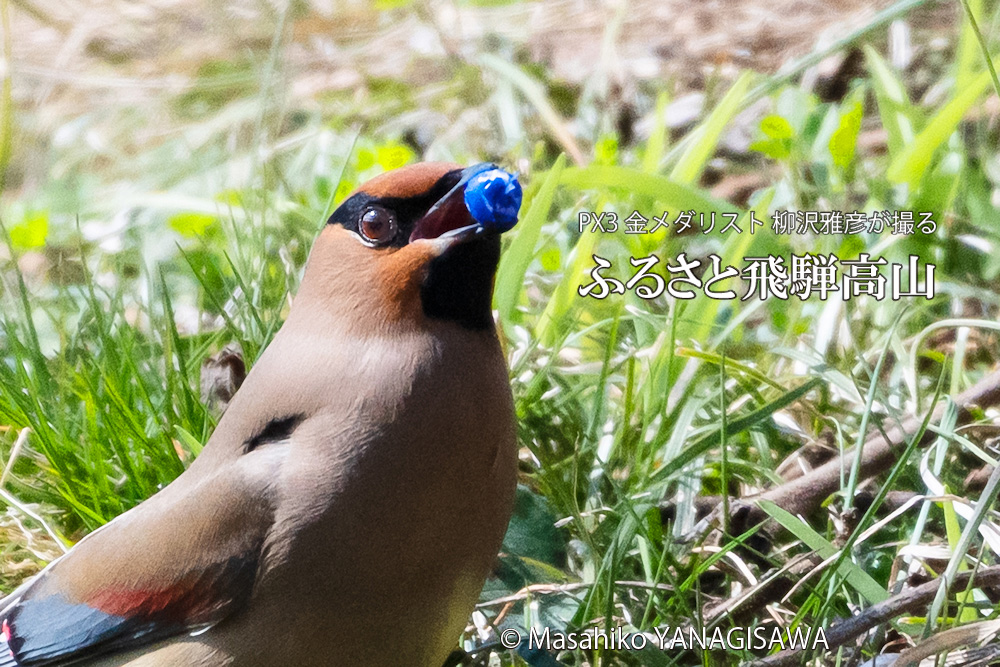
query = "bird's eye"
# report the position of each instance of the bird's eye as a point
(377, 225)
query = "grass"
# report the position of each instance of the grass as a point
(112, 298)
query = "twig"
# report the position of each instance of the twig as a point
(774, 586)
(909, 601)
(805, 494)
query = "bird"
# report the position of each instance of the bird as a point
(352, 500)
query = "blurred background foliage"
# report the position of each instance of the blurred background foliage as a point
(166, 165)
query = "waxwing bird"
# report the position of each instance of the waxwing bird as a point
(352, 500)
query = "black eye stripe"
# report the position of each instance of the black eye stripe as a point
(407, 210)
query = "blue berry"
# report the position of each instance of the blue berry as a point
(493, 198)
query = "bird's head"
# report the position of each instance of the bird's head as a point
(403, 249)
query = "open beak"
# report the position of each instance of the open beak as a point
(449, 217)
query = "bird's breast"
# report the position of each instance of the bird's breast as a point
(396, 489)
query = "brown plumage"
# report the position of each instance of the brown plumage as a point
(351, 502)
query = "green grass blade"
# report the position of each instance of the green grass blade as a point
(967, 52)
(193, 444)
(734, 427)
(860, 580)
(970, 13)
(536, 95)
(6, 98)
(656, 145)
(555, 317)
(516, 260)
(897, 112)
(677, 196)
(706, 136)
(909, 166)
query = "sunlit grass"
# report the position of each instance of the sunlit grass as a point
(113, 298)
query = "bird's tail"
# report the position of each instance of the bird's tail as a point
(7, 658)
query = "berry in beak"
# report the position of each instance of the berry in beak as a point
(486, 198)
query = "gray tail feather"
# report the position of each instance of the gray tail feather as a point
(6, 657)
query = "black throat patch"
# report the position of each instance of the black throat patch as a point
(459, 283)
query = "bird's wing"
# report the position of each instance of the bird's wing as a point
(179, 563)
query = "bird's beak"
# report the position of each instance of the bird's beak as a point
(448, 218)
